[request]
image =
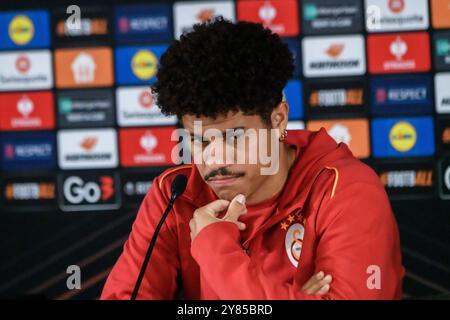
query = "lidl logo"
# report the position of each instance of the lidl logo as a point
(403, 136)
(21, 30)
(137, 65)
(144, 64)
(24, 29)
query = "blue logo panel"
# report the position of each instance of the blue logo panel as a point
(401, 95)
(24, 29)
(403, 137)
(294, 46)
(28, 151)
(294, 97)
(143, 23)
(137, 65)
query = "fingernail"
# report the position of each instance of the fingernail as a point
(240, 198)
(325, 289)
(319, 275)
(328, 278)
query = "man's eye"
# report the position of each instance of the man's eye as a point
(234, 136)
(198, 140)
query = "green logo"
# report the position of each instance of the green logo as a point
(443, 47)
(310, 11)
(65, 105)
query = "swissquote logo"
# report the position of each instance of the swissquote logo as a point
(396, 15)
(23, 70)
(136, 107)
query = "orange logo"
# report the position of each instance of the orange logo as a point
(440, 13)
(205, 14)
(88, 143)
(446, 136)
(353, 132)
(335, 50)
(86, 67)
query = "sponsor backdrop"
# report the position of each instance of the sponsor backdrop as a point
(374, 73)
(80, 132)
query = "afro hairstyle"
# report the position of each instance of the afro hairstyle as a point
(222, 66)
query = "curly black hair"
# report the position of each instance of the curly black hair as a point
(222, 66)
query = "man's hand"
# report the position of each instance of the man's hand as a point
(206, 215)
(318, 284)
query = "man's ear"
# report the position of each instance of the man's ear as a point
(279, 116)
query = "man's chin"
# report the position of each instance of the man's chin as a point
(227, 194)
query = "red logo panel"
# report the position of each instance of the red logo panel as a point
(146, 147)
(27, 111)
(399, 53)
(279, 16)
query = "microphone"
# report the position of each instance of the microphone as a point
(177, 189)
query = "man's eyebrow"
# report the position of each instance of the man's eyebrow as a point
(223, 132)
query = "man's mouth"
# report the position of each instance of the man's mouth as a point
(221, 181)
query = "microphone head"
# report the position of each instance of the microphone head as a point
(178, 185)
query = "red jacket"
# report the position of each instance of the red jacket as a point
(332, 215)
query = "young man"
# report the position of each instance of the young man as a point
(236, 233)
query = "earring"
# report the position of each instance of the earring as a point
(283, 135)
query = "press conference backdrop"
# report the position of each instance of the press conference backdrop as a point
(81, 138)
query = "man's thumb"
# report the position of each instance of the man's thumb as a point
(236, 208)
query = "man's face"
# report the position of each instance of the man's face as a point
(228, 179)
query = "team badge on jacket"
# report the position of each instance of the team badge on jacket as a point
(295, 233)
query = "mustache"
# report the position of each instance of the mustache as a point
(223, 172)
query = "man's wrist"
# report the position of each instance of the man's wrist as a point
(211, 236)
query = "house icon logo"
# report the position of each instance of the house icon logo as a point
(83, 68)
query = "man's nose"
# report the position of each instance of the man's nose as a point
(214, 154)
